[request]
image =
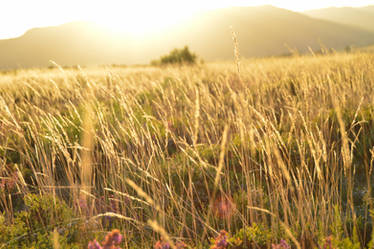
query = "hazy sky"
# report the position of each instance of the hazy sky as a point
(17, 16)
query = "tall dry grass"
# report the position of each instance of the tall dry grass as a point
(287, 142)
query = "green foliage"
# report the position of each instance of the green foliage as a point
(340, 243)
(177, 56)
(33, 227)
(254, 236)
(337, 239)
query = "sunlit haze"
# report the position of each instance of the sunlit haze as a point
(141, 16)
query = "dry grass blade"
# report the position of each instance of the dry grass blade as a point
(143, 194)
(114, 215)
(55, 238)
(221, 161)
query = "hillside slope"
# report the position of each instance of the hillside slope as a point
(262, 31)
(369, 8)
(359, 17)
(266, 31)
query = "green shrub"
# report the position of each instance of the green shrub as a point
(33, 227)
(177, 56)
(338, 239)
(254, 236)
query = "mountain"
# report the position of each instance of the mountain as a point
(262, 31)
(69, 44)
(266, 31)
(359, 17)
(369, 9)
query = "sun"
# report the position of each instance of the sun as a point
(142, 17)
(136, 17)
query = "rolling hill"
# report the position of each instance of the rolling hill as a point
(262, 31)
(369, 9)
(359, 17)
(266, 31)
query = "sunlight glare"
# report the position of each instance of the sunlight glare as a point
(135, 19)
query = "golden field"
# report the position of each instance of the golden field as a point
(265, 149)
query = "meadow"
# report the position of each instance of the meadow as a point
(274, 153)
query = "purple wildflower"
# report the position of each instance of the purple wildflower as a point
(180, 245)
(117, 238)
(282, 245)
(112, 239)
(224, 206)
(94, 245)
(162, 245)
(221, 241)
(328, 243)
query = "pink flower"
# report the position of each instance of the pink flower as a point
(112, 239)
(94, 245)
(282, 245)
(223, 206)
(221, 241)
(180, 245)
(328, 243)
(162, 245)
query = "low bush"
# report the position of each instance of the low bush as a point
(33, 227)
(177, 56)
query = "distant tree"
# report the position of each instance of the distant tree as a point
(177, 56)
(348, 49)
